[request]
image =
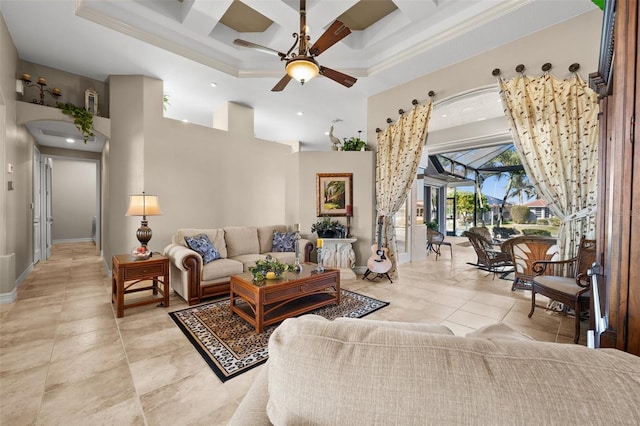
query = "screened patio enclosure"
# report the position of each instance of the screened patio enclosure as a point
(465, 171)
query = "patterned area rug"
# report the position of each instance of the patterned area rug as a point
(231, 346)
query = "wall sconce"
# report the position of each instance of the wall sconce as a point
(41, 84)
(143, 205)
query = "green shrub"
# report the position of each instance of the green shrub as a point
(555, 221)
(534, 231)
(542, 222)
(520, 214)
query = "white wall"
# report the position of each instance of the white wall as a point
(73, 199)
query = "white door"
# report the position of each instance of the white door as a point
(37, 209)
(48, 165)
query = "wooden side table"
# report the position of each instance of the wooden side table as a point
(125, 268)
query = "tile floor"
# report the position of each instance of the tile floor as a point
(66, 359)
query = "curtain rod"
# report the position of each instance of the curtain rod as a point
(414, 102)
(545, 67)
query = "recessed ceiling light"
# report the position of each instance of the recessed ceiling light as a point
(213, 84)
(70, 140)
(443, 115)
(326, 133)
(184, 120)
(300, 113)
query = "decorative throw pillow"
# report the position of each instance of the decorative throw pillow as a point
(203, 245)
(283, 241)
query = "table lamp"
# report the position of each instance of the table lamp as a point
(143, 205)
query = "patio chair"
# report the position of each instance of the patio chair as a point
(489, 259)
(524, 250)
(435, 240)
(484, 232)
(566, 281)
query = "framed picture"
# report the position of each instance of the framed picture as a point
(91, 101)
(334, 193)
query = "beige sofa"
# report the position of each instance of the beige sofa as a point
(239, 248)
(360, 372)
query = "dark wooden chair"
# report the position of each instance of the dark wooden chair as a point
(524, 250)
(435, 239)
(489, 259)
(566, 281)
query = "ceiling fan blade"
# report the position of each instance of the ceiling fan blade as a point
(336, 32)
(282, 83)
(264, 49)
(338, 77)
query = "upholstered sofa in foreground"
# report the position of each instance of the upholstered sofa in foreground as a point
(238, 247)
(360, 372)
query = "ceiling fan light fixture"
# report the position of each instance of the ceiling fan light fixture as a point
(302, 69)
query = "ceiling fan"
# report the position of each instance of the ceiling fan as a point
(301, 65)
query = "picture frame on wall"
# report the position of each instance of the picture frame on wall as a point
(91, 101)
(334, 194)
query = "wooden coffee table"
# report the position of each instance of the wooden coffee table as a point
(267, 302)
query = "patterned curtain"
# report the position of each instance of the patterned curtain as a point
(554, 124)
(398, 155)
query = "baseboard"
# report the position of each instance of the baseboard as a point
(8, 278)
(107, 266)
(23, 275)
(9, 297)
(73, 240)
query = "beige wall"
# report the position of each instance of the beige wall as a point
(204, 177)
(362, 165)
(213, 178)
(17, 149)
(72, 86)
(74, 202)
(576, 40)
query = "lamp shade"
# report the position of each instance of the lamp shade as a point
(143, 205)
(302, 69)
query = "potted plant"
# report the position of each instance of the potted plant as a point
(327, 228)
(269, 268)
(354, 144)
(433, 225)
(82, 118)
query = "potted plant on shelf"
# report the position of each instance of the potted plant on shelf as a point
(355, 144)
(82, 118)
(327, 228)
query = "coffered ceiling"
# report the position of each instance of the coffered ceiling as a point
(189, 45)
